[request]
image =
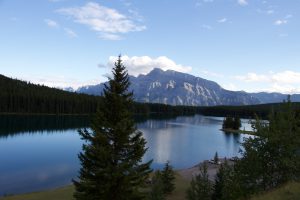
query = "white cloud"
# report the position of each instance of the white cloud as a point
(70, 33)
(252, 77)
(213, 74)
(242, 2)
(284, 82)
(144, 64)
(109, 36)
(288, 16)
(51, 23)
(286, 77)
(283, 35)
(230, 86)
(207, 27)
(223, 20)
(280, 22)
(59, 81)
(102, 19)
(281, 88)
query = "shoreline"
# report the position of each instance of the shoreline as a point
(228, 130)
(212, 168)
(187, 174)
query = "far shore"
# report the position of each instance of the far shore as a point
(229, 130)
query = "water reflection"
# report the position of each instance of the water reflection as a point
(11, 125)
(32, 160)
(184, 141)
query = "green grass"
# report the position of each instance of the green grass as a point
(64, 193)
(290, 191)
(181, 185)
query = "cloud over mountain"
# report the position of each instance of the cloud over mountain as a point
(144, 64)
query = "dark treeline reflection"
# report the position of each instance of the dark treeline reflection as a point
(17, 124)
(11, 125)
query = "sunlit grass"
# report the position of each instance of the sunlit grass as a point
(289, 191)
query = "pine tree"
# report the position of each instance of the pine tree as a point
(236, 123)
(111, 165)
(157, 188)
(168, 178)
(216, 158)
(222, 185)
(201, 186)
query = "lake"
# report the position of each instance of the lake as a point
(40, 152)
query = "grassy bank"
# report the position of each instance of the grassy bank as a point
(64, 193)
(289, 191)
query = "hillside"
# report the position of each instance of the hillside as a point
(22, 97)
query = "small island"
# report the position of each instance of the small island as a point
(233, 125)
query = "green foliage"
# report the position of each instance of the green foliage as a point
(157, 187)
(22, 97)
(232, 123)
(201, 186)
(168, 178)
(216, 158)
(245, 111)
(224, 183)
(111, 165)
(272, 158)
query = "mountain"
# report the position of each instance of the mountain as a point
(176, 88)
(274, 97)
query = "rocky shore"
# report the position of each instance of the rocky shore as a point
(212, 168)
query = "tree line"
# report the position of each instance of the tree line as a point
(23, 97)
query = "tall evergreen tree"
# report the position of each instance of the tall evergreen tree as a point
(201, 186)
(168, 178)
(216, 158)
(157, 187)
(111, 165)
(222, 185)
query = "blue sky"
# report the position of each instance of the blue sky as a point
(250, 45)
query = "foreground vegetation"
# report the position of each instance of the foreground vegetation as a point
(290, 191)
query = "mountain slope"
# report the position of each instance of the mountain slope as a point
(176, 88)
(274, 97)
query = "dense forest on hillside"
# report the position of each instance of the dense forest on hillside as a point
(22, 97)
(248, 111)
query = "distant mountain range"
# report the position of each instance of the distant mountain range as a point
(274, 97)
(176, 88)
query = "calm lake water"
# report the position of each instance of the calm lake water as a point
(38, 153)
